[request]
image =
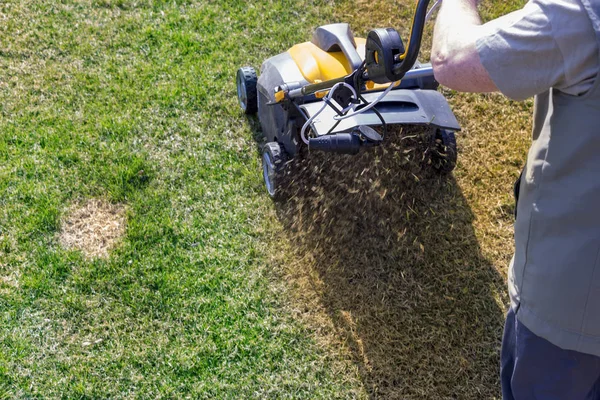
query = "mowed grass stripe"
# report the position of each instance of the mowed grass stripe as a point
(134, 102)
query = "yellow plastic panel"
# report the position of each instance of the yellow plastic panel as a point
(379, 86)
(318, 65)
(279, 96)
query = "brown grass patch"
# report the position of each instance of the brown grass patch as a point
(93, 227)
(8, 283)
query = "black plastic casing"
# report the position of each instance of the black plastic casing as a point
(341, 143)
(382, 46)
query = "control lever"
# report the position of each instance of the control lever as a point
(369, 134)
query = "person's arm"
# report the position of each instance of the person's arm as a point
(546, 44)
(454, 55)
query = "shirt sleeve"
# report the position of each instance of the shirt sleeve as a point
(546, 44)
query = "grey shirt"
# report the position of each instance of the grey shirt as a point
(547, 44)
(550, 49)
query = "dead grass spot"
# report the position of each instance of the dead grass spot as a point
(94, 227)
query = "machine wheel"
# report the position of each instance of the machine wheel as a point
(246, 89)
(444, 153)
(273, 162)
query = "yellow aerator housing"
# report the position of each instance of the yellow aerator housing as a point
(317, 65)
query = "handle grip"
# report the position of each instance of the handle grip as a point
(414, 44)
(385, 56)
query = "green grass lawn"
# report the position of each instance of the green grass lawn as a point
(377, 280)
(135, 102)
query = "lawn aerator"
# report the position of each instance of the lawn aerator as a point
(328, 94)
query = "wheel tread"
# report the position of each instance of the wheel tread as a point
(250, 81)
(279, 158)
(445, 152)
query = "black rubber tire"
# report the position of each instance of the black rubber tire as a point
(444, 152)
(246, 89)
(274, 159)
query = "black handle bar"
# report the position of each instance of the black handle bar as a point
(401, 66)
(414, 43)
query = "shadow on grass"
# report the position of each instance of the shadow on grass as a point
(389, 248)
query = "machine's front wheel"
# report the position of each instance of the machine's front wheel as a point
(444, 153)
(246, 89)
(273, 162)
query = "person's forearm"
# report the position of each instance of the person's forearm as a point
(454, 56)
(455, 18)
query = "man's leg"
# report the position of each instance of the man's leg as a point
(595, 392)
(507, 356)
(533, 368)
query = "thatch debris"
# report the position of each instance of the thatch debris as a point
(384, 248)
